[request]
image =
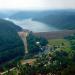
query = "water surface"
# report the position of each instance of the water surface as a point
(34, 26)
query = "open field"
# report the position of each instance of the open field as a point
(61, 43)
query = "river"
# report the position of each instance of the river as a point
(34, 26)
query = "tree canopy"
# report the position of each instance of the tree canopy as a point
(11, 45)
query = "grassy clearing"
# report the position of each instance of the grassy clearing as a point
(62, 43)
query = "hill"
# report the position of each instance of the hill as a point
(2, 15)
(9, 23)
(62, 19)
(29, 14)
(11, 45)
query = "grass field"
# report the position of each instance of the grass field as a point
(62, 43)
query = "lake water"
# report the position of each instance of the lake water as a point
(34, 26)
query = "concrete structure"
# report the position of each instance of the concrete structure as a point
(23, 35)
(55, 34)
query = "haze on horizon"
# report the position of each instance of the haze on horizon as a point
(36, 4)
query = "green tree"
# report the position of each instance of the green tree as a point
(32, 43)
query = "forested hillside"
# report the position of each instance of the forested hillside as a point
(11, 45)
(60, 21)
(5, 23)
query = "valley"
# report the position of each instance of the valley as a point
(37, 43)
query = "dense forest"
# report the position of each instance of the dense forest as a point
(60, 19)
(35, 43)
(11, 45)
(55, 62)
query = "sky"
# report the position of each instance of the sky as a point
(37, 4)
